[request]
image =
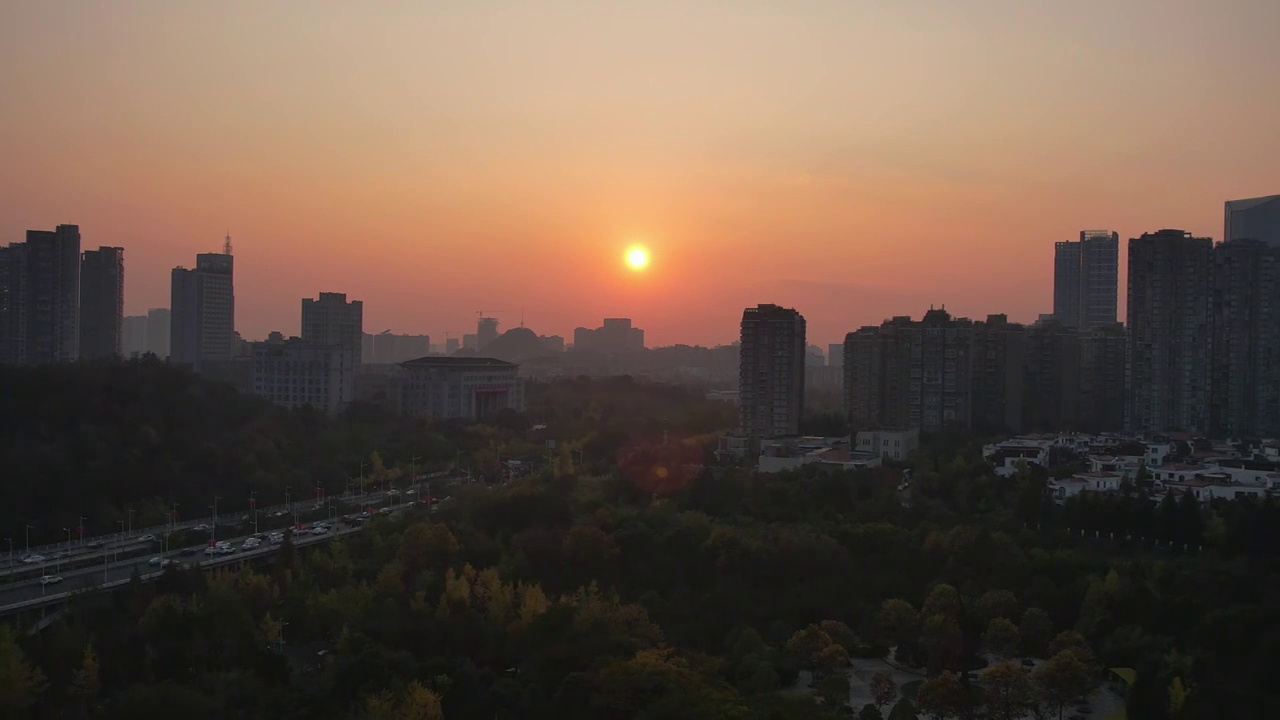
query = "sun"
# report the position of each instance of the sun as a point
(637, 258)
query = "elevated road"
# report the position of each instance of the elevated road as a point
(31, 594)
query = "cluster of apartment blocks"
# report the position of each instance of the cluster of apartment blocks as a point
(1200, 350)
(1223, 471)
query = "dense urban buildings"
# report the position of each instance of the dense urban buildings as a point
(1169, 332)
(102, 303)
(295, 373)
(331, 320)
(133, 335)
(771, 371)
(468, 388)
(40, 298)
(1103, 388)
(1085, 279)
(615, 335)
(202, 327)
(1245, 383)
(1253, 219)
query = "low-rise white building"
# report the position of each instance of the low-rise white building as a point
(1011, 454)
(788, 453)
(892, 443)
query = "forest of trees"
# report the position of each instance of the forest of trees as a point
(641, 589)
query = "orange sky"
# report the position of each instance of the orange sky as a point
(852, 159)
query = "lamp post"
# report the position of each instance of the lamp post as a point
(29, 539)
(173, 517)
(130, 525)
(288, 504)
(253, 507)
(80, 529)
(57, 564)
(10, 551)
(121, 524)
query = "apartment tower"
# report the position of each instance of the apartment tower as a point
(771, 371)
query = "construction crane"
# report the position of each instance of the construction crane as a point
(481, 313)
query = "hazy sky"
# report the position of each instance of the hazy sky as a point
(855, 159)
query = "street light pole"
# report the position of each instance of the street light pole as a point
(288, 505)
(80, 530)
(130, 526)
(173, 517)
(121, 523)
(10, 551)
(253, 505)
(29, 539)
(57, 565)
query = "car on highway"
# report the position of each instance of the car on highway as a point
(147, 538)
(162, 562)
(275, 538)
(96, 545)
(32, 559)
(251, 543)
(50, 579)
(188, 551)
(201, 528)
(319, 530)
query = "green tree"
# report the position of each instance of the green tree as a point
(943, 600)
(870, 712)
(942, 639)
(897, 621)
(86, 682)
(1036, 629)
(1178, 694)
(997, 604)
(904, 710)
(833, 688)
(1001, 637)
(1008, 689)
(420, 703)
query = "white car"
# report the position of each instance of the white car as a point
(200, 528)
(155, 561)
(32, 559)
(252, 543)
(319, 530)
(212, 550)
(50, 579)
(147, 538)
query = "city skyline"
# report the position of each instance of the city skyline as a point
(464, 157)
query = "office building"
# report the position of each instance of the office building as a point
(814, 358)
(469, 341)
(159, 321)
(864, 376)
(835, 354)
(467, 388)
(133, 333)
(771, 371)
(202, 321)
(615, 335)
(102, 303)
(1086, 279)
(486, 331)
(1169, 323)
(1253, 219)
(1245, 383)
(387, 348)
(296, 373)
(451, 346)
(332, 320)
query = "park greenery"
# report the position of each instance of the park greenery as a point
(627, 577)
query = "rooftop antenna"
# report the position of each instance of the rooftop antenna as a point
(226, 245)
(521, 316)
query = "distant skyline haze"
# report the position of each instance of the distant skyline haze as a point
(854, 161)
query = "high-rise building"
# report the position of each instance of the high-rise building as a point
(1102, 377)
(102, 303)
(202, 327)
(451, 346)
(998, 361)
(1253, 219)
(865, 377)
(1245, 384)
(159, 321)
(332, 320)
(1169, 322)
(771, 371)
(486, 331)
(1086, 279)
(41, 297)
(13, 304)
(1051, 377)
(134, 330)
